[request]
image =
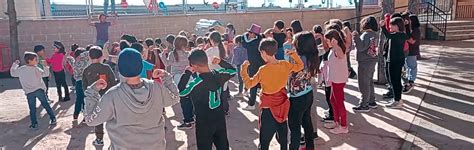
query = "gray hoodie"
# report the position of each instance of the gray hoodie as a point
(134, 117)
(363, 44)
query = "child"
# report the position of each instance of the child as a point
(414, 51)
(301, 91)
(268, 33)
(133, 107)
(349, 46)
(240, 55)
(69, 67)
(217, 49)
(274, 105)
(288, 45)
(95, 71)
(79, 63)
(178, 61)
(230, 31)
(39, 50)
(113, 56)
(337, 77)
(366, 45)
(395, 58)
(31, 81)
(280, 37)
(57, 66)
(204, 92)
(251, 41)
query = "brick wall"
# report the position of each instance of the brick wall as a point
(69, 31)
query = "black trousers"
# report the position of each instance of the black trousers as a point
(225, 99)
(253, 91)
(327, 93)
(395, 77)
(300, 115)
(46, 82)
(212, 132)
(268, 127)
(60, 79)
(99, 131)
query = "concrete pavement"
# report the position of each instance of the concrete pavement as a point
(438, 114)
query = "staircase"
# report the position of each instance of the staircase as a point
(460, 30)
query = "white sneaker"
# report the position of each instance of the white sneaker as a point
(249, 108)
(340, 130)
(330, 125)
(395, 104)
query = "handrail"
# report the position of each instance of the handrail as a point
(441, 17)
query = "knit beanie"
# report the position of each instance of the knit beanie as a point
(130, 63)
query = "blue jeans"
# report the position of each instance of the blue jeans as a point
(187, 107)
(79, 99)
(241, 82)
(106, 6)
(412, 69)
(31, 97)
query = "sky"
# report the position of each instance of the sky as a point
(253, 3)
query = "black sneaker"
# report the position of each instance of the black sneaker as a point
(352, 74)
(66, 99)
(388, 95)
(53, 122)
(98, 142)
(327, 119)
(185, 126)
(407, 88)
(34, 126)
(361, 109)
(372, 105)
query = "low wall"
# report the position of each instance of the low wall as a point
(69, 31)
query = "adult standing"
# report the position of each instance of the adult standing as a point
(251, 41)
(106, 6)
(102, 28)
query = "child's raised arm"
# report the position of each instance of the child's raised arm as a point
(227, 72)
(14, 69)
(249, 82)
(298, 65)
(97, 110)
(171, 94)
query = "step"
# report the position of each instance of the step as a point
(456, 23)
(459, 37)
(457, 32)
(460, 27)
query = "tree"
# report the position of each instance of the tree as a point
(412, 5)
(11, 13)
(388, 6)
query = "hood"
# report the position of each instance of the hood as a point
(137, 100)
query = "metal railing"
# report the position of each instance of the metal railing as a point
(437, 18)
(427, 12)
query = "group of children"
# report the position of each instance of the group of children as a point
(122, 83)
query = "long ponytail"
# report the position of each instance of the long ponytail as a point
(217, 39)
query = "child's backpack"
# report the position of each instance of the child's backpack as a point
(372, 51)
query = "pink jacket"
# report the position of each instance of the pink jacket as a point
(56, 62)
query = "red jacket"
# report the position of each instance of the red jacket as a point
(278, 103)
